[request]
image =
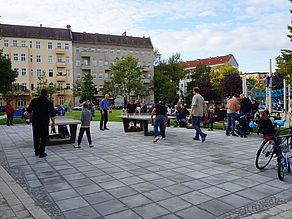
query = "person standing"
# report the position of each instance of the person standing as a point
(41, 110)
(86, 117)
(232, 107)
(161, 119)
(104, 107)
(246, 111)
(198, 112)
(9, 113)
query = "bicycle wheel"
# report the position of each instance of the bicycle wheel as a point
(265, 154)
(281, 173)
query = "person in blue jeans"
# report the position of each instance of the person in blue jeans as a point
(232, 107)
(160, 112)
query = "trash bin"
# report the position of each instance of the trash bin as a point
(17, 112)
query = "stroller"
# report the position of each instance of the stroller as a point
(242, 124)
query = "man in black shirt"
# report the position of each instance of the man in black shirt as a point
(132, 108)
(42, 110)
(161, 119)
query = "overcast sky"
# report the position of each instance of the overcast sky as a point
(254, 31)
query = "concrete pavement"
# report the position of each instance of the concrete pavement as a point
(127, 176)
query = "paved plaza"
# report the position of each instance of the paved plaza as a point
(126, 176)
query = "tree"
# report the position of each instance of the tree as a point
(126, 78)
(217, 74)
(231, 84)
(88, 88)
(284, 65)
(289, 26)
(42, 83)
(7, 75)
(167, 74)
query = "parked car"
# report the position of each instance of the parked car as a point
(2, 109)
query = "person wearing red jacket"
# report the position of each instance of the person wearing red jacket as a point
(9, 113)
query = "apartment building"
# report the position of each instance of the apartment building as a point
(94, 53)
(34, 50)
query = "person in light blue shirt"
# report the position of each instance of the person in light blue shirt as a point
(104, 107)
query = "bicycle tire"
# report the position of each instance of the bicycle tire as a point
(268, 154)
(281, 173)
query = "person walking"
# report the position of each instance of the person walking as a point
(86, 117)
(160, 112)
(198, 111)
(232, 107)
(104, 107)
(41, 111)
(9, 113)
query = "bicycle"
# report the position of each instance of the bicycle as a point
(275, 145)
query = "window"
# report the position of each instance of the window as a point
(105, 50)
(50, 59)
(31, 59)
(59, 59)
(6, 43)
(99, 50)
(16, 71)
(21, 102)
(106, 75)
(60, 85)
(94, 62)
(68, 86)
(1, 102)
(31, 86)
(106, 63)
(22, 57)
(66, 46)
(31, 72)
(61, 99)
(78, 76)
(67, 73)
(60, 72)
(23, 71)
(67, 59)
(100, 75)
(77, 62)
(100, 62)
(112, 52)
(94, 75)
(38, 58)
(85, 62)
(59, 45)
(51, 72)
(15, 56)
(118, 52)
(6, 56)
(39, 72)
(30, 44)
(77, 49)
(14, 43)
(38, 44)
(24, 86)
(23, 43)
(124, 52)
(50, 45)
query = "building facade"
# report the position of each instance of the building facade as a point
(211, 62)
(37, 50)
(94, 53)
(64, 56)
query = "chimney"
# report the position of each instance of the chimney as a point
(124, 34)
(41, 25)
(68, 27)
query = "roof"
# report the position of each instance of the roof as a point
(101, 39)
(20, 31)
(209, 61)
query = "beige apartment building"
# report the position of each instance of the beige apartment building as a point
(34, 50)
(94, 53)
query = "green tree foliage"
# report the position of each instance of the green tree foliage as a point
(42, 83)
(290, 26)
(7, 75)
(167, 74)
(284, 65)
(126, 79)
(230, 84)
(88, 88)
(218, 73)
(77, 88)
(17, 90)
(200, 78)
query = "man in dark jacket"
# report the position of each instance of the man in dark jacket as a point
(245, 108)
(41, 110)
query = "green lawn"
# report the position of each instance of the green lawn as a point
(112, 117)
(16, 120)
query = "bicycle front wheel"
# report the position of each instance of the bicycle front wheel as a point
(281, 173)
(265, 154)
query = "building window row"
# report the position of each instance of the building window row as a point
(37, 44)
(112, 51)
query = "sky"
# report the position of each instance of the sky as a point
(254, 31)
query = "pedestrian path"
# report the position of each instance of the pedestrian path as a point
(15, 202)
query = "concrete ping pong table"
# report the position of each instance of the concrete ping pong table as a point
(64, 121)
(143, 119)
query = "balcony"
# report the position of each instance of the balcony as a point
(60, 51)
(86, 54)
(61, 78)
(86, 67)
(61, 64)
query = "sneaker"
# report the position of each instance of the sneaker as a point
(245, 136)
(106, 129)
(101, 129)
(197, 139)
(227, 134)
(43, 155)
(235, 135)
(36, 153)
(163, 138)
(77, 146)
(156, 139)
(91, 145)
(204, 137)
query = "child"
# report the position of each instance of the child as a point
(86, 117)
(266, 126)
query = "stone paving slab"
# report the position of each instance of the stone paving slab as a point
(126, 175)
